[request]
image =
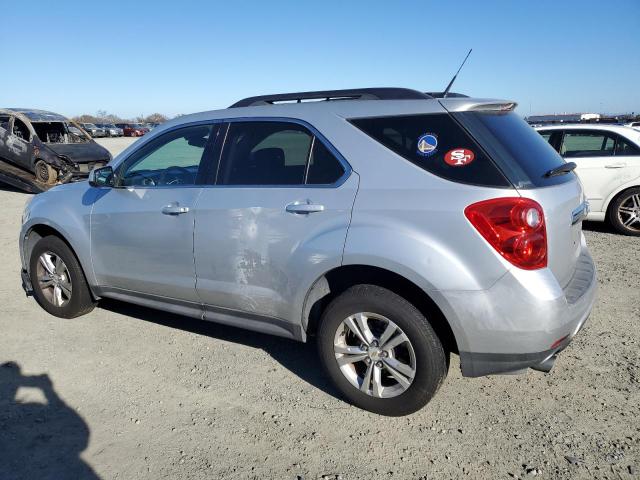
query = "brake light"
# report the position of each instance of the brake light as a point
(515, 227)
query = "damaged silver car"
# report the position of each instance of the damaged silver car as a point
(52, 147)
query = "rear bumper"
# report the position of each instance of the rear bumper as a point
(524, 320)
(481, 364)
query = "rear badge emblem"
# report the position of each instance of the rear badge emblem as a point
(427, 144)
(459, 157)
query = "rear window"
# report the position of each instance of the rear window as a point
(520, 152)
(437, 144)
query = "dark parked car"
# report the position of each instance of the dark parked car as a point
(132, 129)
(49, 145)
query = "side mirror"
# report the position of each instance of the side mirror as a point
(101, 177)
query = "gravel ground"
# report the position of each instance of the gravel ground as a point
(126, 392)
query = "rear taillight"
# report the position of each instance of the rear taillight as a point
(514, 227)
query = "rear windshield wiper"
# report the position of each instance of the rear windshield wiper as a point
(561, 170)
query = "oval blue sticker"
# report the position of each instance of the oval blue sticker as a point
(427, 144)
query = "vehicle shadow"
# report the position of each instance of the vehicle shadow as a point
(602, 227)
(8, 188)
(300, 358)
(39, 439)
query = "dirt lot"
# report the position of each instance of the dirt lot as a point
(127, 392)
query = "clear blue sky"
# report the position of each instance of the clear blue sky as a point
(140, 57)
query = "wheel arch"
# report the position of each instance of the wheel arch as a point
(329, 285)
(38, 231)
(616, 193)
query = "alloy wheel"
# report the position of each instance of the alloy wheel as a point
(629, 212)
(54, 279)
(374, 355)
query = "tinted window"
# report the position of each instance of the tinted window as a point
(437, 144)
(586, 144)
(520, 152)
(264, 153)
(625, 147)
(172, 159)
(324, 168)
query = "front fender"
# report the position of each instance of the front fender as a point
(65, 209)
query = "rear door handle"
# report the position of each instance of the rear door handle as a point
(174, 210)
(304, 208)
(616, 165)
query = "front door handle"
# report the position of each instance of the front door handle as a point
(616, 165)
(304, 208)
(174, 210)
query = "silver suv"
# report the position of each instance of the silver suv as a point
(393, 226)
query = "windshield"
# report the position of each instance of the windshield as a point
(59, 132)
(520, 152)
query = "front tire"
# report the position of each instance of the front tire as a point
(624, 212)
(380, 351)
(45, 173)
(59, 284)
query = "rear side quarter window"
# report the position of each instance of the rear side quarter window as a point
(625, 147)
(436, 143)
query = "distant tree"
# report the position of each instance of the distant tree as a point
(155, 118)
(86, 119)
(102, 116)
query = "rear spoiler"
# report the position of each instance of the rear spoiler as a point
(477, 104)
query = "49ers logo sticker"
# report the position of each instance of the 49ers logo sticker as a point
(459, 157)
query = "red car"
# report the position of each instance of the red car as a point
(132, 129)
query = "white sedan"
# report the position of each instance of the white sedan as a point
(608, 164)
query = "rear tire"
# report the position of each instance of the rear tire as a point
(45, 173)
(373, 375)
(624, 212)
(59, 284)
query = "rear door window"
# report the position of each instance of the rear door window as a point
(436, 143)
(264, 153)
(587, 144)
(324, 167)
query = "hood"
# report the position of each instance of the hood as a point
(81, 152)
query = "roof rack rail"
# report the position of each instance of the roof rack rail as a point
(326, 95)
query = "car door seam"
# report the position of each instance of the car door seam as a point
(353, 205)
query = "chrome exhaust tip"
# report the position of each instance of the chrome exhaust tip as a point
(546, 365)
